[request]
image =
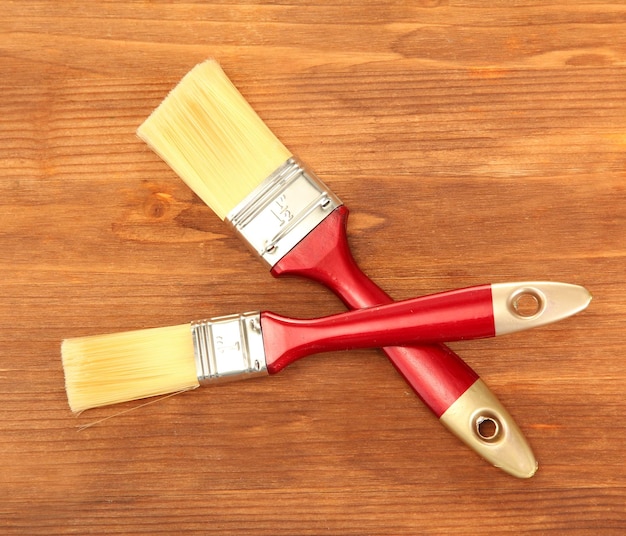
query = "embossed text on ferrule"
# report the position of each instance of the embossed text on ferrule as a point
(281, 210)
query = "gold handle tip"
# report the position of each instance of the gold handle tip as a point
(479, 419)
(531, 304)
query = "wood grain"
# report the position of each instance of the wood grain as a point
(474, 142)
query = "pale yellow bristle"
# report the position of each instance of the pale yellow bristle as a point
(107, 369)
(213, 139)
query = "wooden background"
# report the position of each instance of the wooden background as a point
(473, 144)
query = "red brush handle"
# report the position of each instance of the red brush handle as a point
(448, 316)
(436, 374)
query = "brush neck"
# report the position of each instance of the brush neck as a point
(281, 211)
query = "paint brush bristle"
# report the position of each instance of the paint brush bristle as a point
(107, 369)
(213, 139)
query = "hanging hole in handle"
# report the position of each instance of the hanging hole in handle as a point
(487, 428)
(527, 303)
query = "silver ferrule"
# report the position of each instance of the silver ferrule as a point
(229, 347)
(282, 210)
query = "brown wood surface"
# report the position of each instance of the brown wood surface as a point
(473, 141)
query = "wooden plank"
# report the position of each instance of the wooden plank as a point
(472, 144)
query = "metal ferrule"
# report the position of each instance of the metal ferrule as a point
(282, 210)
(229, 347)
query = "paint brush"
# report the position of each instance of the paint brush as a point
(213, 139)
(107, 369)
